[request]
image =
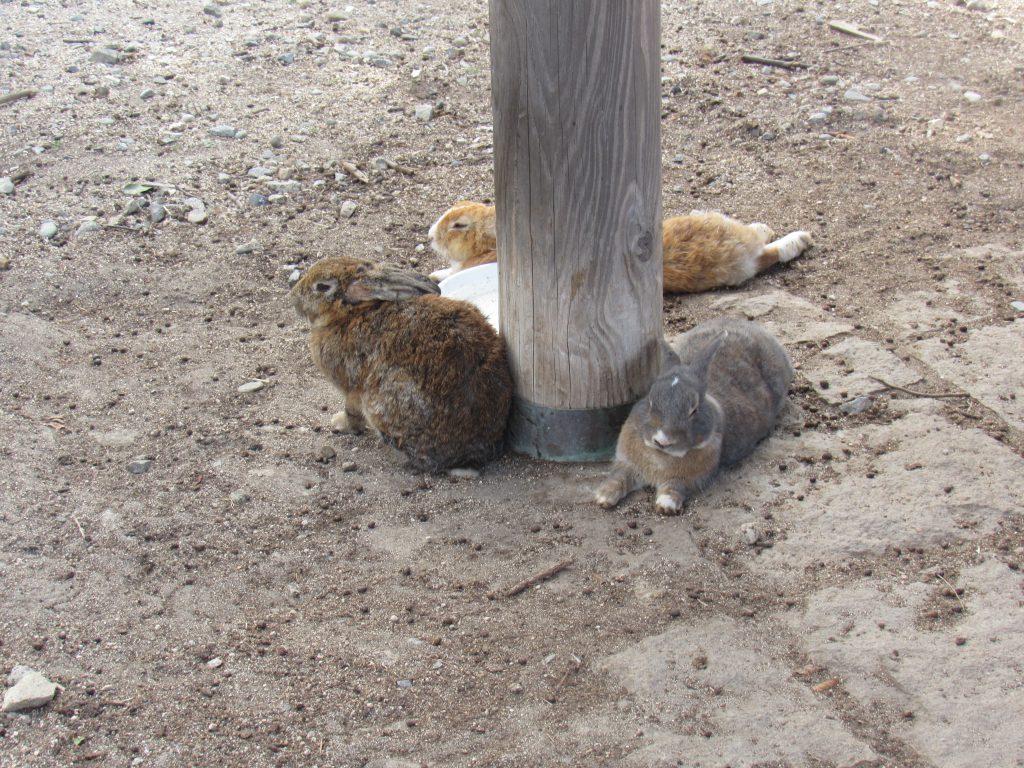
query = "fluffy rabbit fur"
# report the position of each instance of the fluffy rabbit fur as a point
(702, 251)
(465, 235)
(428, 374)
(722, 386)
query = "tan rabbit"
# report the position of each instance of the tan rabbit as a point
(701, 251)
(721, 388)
(465, 235)
(428, 374)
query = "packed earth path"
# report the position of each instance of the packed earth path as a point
(203, 573)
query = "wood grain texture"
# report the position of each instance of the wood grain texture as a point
(576, 100)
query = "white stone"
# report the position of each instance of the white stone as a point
(32, 690)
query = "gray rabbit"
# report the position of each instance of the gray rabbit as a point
(722, 386)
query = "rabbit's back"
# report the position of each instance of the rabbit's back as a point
(432, 376)
(748, 378)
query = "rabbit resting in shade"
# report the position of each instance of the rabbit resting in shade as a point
(721, 388)
(428, 374)
(701, 251)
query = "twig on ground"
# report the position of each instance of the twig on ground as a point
(81, 530)
(538, 577)
(351, 170)
(750, 58)
(400, 168)
(953, 590)
(848, 28)
(936, 395)
(26, 93)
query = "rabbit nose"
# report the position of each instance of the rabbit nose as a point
(661, 440)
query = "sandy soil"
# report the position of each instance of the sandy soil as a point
(270, 593)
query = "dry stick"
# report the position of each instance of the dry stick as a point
(750, 58)
(81, 531)
(935, 395)
(401, 168)
(953, 590)
(538, 577)
(26, 93)
(351, 170)
(852, 29)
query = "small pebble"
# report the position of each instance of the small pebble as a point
(405, 683)
(750, 534)
(246, 248)
(157, 213)
(256, 200)
(211, 9)
(224, 131)
(1017, 305)
(239, 497)
(140, 465)
(87, 228)
(106, 56)
(972, 97)
(29, 691)
(424, 112)
(147, 94)
(47, 230)
(348, 208)
(6, 186)
(251, 386)
(215, 663)
(855, 406)
(326, 453)
(348, 466)
(854, 95)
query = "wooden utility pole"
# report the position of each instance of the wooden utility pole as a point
(577, 108)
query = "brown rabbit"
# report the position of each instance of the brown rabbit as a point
(701, 251)
(428, 374)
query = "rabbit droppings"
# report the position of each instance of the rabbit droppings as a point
(701, 251)
(428, 374)
(722, 386)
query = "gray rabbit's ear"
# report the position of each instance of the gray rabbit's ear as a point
(703, 361)
(669, 358)
(385, 283)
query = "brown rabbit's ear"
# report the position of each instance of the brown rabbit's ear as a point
(385, 283)
(703, 361)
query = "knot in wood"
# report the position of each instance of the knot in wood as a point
(642, 247)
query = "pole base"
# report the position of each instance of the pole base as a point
(565, 434)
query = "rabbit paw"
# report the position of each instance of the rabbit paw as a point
(668, 503)
(609, 494)
(344, 421)
(793, 244)
(440, 274)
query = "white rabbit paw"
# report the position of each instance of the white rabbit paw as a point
(668, 503)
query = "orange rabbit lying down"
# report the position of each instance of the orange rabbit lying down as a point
(703, 250)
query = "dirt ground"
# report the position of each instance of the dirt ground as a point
(270, 593)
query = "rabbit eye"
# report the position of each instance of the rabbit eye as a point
(693, 410)
(322, 287)
(460, 225)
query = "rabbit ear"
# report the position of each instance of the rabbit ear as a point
(669, 359)
(386, 283)
(702, 361)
